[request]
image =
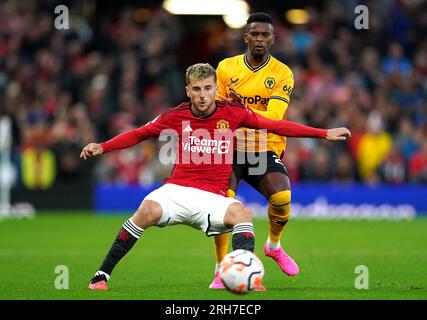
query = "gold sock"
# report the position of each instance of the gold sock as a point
(221, 246)
(230, 193)
(279, 212)
(221, 241)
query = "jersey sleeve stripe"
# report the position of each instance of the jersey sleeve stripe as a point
(280, 98)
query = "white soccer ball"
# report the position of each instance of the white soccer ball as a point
(241, 271)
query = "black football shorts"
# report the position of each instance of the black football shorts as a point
(261, 164)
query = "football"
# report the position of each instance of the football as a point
(241, 271)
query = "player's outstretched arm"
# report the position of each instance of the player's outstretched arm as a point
(338, 134)
(91, 150)
(127, 139)
(292, 129)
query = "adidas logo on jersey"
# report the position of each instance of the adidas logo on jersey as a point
(187, 129)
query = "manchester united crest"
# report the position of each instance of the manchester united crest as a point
(222, 125)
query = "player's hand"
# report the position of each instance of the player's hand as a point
(234, 98)
(91, 150)
(338, 134)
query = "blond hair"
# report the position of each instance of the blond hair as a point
(199, 71)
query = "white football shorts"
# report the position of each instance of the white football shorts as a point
(196, 208)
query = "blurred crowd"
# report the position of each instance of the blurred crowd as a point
(113, 71)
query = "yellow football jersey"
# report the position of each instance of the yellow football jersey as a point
(265, 89)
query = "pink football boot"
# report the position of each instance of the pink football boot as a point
(98, 282)
(100, 285)
(216, 283)
(285, 262)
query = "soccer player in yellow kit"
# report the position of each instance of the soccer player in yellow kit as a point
(265, 84)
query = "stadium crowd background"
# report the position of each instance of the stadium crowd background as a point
(118, 67)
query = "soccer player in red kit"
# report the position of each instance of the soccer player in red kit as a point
(195, 193)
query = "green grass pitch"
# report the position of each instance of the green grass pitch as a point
(177, 262)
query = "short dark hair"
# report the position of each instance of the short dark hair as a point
(260, 17)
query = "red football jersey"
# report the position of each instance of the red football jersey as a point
(205, 144)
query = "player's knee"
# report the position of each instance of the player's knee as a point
(280, 204)
(237, 213)
(244, 215)
(148, 214)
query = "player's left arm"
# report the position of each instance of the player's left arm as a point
(279, 99)
(292, 129)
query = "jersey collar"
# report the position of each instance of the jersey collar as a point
(245, 59)
(205, 115)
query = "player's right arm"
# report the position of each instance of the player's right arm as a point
(126, 139)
